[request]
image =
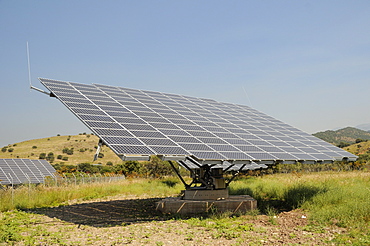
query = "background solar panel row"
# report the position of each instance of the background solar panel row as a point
(138, 122)
(18, 171)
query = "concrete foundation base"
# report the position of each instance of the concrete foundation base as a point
(201, 195)
(234, 204)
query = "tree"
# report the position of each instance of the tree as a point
(87, 168)
(133, 168)
(359, 140)
(343, 145)
(50, 157)
(68, 151)
(156, 167)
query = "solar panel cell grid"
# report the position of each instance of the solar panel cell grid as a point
(154, 118)
(17, 171)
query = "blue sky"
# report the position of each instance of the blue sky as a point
(306, 63)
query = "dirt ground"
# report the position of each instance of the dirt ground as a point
(134, 221)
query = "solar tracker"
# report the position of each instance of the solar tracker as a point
(226, 166)
(136, 124)
(18, 171)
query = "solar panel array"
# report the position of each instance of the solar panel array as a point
(140, 123)
(18, 171)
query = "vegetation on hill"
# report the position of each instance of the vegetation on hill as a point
(342, 137)
(68, 150)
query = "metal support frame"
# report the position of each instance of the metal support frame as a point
(100, 144)
(179, 175)
(204, 177)
(234, 175)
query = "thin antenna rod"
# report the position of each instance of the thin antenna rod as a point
(250, 103)
(29, 66)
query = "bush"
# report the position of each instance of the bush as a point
(59, 157)
(359, 140)
(343, 145)
(34, 147)
(65, 158)
(68, 151)
(157, 168)
(42, 156)
(87, 168)
(10, 150)
(50, 157)
(4, 149)
(131, 168)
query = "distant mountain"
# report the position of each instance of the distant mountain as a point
(365, 127)
(346, 135)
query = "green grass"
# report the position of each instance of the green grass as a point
(328, 199)
(341, 199)
(28, 197)
(224, 227)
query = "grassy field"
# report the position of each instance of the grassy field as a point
(309, 209)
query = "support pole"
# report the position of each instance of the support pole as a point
(234, 175)
(178, 174)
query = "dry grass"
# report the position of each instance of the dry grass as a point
(57, 144)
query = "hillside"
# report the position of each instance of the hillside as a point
(346, 135)
(83, 146)
(359, 148)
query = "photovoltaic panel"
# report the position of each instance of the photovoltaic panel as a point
(138, 123)
(18, 171)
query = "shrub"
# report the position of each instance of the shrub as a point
(34, 147)
(65, 158)
(10, 150)
(157, 168)
(50, 157)
(4, 149)
(87, 168)
(42, 156)
(59, 157)
(68, 151)
(343, 145)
